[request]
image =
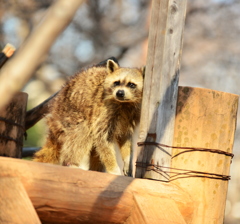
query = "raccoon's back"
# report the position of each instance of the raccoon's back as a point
(81, 97)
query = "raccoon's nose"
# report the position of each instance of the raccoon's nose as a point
(120, 93)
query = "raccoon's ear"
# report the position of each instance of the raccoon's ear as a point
(104, 63)
(143, 69)
(111, 66)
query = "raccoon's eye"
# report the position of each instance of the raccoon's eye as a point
(131, 85)
(117, 83)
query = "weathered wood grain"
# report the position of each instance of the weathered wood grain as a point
(205, 118)
(161, 84)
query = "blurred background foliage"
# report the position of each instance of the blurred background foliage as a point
(104, 28)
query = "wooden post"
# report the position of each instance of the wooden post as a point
(205, 118)
(12, 126)
(160, 85)
(15, 205)
(67, 195)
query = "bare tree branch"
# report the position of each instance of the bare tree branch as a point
(37, 113)
(19, 69)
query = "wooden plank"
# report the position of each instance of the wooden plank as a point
(15, 205)
(160, 85)
(67, 195)
(205, 118)
(12, 126)
(155, 210)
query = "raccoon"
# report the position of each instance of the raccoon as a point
(92, 116)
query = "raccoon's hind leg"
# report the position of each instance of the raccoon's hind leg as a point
(49, 153)
(76, 151)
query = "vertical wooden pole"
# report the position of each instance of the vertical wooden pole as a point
(15, 205)
(12, 126)
(160, 85)
(205, 118)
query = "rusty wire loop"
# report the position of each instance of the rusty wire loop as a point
(11, 139)
(8, 138)
(11, 122)
(190, 149)
(182, 173)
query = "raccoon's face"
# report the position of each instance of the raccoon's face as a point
(123, 84)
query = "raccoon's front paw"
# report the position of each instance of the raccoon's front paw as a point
(115, 171)
(69, 165)
(127, 169)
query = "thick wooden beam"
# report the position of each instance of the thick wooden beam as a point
(160, 85)
(15, 205)
(12, 126)
(205, 119)
(68, 195)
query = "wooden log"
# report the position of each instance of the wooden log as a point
(160, 85)
(205, 118)
(15, 205)
(19, 69)
(12, 126)
(67, 195)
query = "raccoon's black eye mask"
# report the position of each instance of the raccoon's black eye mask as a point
(131, 85)
(117, 83)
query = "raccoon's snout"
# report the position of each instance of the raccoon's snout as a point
(120, 93)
